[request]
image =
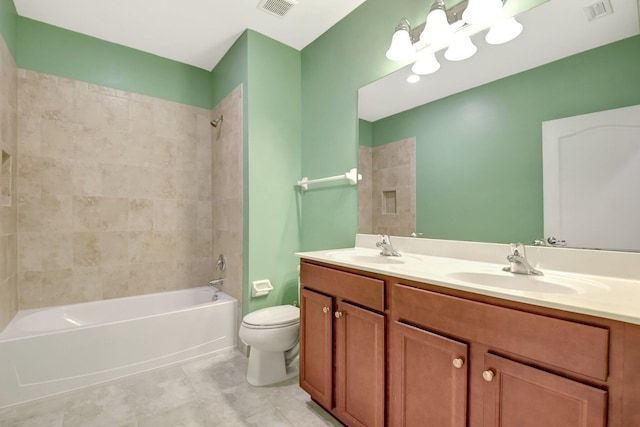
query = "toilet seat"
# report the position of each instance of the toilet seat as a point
(272, 317)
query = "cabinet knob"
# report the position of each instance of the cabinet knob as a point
(325, 309)
(338, 314)
(458, 362)
(488, 375)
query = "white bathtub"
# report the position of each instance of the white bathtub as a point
(58, 349)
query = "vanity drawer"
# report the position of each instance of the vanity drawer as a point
(575, 347)
(348, 286)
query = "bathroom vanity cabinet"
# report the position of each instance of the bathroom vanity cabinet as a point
(342, 344)
(459, 359)
(511, 368)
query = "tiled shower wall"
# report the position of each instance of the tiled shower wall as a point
(391, 168)
(227, 190)
(365, 189)
(8, 210)
(114, 193)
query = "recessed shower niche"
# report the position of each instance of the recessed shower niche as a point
(5, 179)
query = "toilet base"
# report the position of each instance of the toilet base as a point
(268, 367)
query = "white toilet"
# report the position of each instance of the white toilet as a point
(273, 335)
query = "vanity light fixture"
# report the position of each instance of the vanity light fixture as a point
(426, 63)
(460, 49)
(504, 31)
(401, 48)
(441, 30)
(437, 29)
(481, 11)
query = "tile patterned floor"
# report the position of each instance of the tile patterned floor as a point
(206, 392)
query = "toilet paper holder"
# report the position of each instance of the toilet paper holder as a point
(261, 288)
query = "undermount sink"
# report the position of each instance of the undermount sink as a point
(548, 284)
(371, 258)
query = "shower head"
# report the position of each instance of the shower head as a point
(216, 122)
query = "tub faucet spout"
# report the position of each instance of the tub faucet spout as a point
(216, 282)
(212, 285)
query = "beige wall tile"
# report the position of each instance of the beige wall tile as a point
(57, 174)
(115, 180)
(57, 287)
(57, 139)
(140, 214)
(393, 169)
(30, 213)
(87, 213)
(87, 249)
(116, 192)
(29, 179)
(57, 251)
(30, 290)
(165, 214)
(114, 213)
(29, 252)
(115, 112)
(57, 212)
(86, 285)
(115, 248)
(86, 178)
(115, 281)
(140, 246)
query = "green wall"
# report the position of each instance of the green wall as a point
(349, 55)
(48, 49)
(365, 133)
(480, 179)
(274, 168)
(231, 71)
(270, 74)
(8, 24)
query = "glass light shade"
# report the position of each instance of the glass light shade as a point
(504, 31)
(413, 78)
(480, 11)
(460, 50)
(401, 48)
(437, 29)
(425, 64)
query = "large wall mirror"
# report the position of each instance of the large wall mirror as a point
(458, 155)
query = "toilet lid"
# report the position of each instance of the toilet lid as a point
(280, 315)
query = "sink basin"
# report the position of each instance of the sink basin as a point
(548, 284)
(371, 258)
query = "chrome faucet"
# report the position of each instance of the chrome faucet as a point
(518, 261)
(212, 285)
(386, 247)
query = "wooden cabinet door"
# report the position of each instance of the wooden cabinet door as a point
(316, 346)
(360, 369)
(516, 395)
(428, 379)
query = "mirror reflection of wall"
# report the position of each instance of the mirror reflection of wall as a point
(479, 152)
(386, 195)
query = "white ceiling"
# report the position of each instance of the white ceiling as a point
(195, 32)
(554, 30)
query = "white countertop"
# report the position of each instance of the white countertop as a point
(606, 296)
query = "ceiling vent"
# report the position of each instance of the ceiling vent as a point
(277, 7)
(598, 10)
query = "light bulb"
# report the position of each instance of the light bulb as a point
(401, 48)
(481, 11)
(504, 31)
(460, 50)
(425, 64)
(436, 29)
